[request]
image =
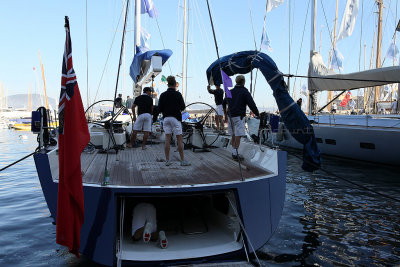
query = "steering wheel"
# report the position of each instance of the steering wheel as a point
(199, 125)
(113, 116)
(104, 123)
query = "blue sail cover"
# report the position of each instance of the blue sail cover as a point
(293, 117)
(141, 56)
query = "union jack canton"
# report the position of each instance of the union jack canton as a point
(68, 80)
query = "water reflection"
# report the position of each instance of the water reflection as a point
(341, 224)
(326, 221)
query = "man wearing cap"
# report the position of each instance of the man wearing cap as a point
(143, 122)
(218, 97)
(241, 98)
(171, 105)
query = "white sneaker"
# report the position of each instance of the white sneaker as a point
(163, 239)
(147, 232)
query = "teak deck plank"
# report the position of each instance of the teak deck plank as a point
(137, 167)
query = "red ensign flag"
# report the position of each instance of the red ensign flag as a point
(73, 138)
(345, 99)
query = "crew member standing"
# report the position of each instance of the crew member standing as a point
(129, 103)
(241, 98)
(171, 105)
(144, 120)
(218, 97)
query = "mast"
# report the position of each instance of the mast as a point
(44, 82)
(378, 49)
(365, 89)
(184, 41)
(333, 50)
(311, 95)
(138, 9)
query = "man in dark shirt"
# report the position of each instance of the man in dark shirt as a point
(118, 101)
(218, 97)
(241, 98)
(171, 105)
(144, 120)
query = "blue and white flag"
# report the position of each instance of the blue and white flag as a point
(337, 60)
(149, 8)
(393, 52)
(271, 4)
(348, 20)
(265, 41)
(144, 37)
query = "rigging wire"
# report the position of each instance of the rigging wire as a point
(265, 17)
(162, 41)
(220, 67)
(87, 58)
(329, 31)
(301, 44)
(361, 32)
(338, 78)
(111, 133)
(387, 15)
(108, 55)
(252, 25)
(255, 46)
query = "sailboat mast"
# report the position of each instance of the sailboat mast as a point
(333, 51)
(44, 81)
(184, 41)
(378, 49)
(138, 9)
(311, 95)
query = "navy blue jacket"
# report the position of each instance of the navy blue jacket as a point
(240, 98)
(171, 104)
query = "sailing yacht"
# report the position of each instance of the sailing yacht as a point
(215, 210)
(369, 137)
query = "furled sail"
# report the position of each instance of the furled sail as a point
(295, 120)
(330, 81)
(141, 62)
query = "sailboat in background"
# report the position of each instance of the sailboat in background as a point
(369, 137)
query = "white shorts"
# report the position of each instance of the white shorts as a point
(143, 123)
(219, 110)
(142, 213)
(172, 125)
(239, 128)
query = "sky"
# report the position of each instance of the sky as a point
(27, 27)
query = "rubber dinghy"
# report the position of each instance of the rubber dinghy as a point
(294, 118)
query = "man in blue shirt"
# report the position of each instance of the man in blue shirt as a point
(241, 98)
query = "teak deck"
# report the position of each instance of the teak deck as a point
(137, 167)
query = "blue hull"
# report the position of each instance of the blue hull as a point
(260, 203)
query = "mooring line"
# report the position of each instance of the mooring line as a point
(15, 162)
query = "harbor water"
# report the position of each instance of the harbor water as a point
(344, 215)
